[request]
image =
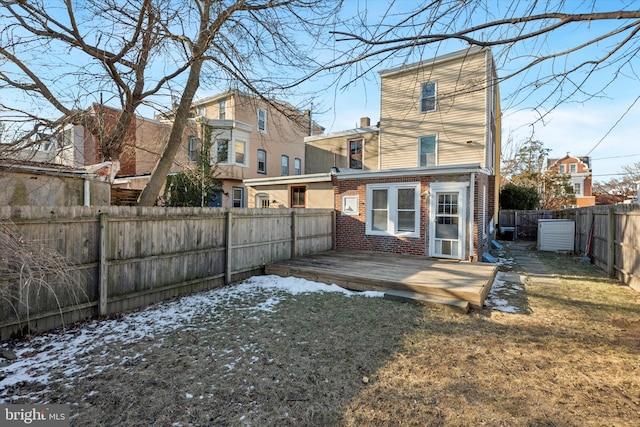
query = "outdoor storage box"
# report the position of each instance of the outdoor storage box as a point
(556, 235)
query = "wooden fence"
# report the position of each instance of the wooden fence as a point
(615, 238)
(521, 224)
(130, 257)
(614, 232)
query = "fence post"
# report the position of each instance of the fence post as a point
(611, 243)
(294, 233)
(228, 240)
(103, 273)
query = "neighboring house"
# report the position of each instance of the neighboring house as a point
(250, 138)
(351, 149)
(425, 180)
(579, 171)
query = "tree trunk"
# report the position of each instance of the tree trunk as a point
(151, 192)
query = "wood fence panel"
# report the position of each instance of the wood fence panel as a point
(152, 254)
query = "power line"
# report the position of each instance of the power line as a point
(614, 125)
(617, 157)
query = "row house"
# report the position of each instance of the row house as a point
(578, 168)
(250, 137)
(423, 180)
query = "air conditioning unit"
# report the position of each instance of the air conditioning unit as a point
(556, 235)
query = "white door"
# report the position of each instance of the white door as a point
(447, 220)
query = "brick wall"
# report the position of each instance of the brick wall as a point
(351, 229)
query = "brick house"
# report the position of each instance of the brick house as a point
(579, 170)
(434, 192)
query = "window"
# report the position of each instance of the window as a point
(262, 161)
(262, 200)
(222, 109)
(298, 197)
(428, 151)
(239, 152)
(355, 154)
(428, 97)
(192, 149)
(393, 209)
(285, 166)
(201, 110)
(238, 197)
(222, 151)
(297, 166)
(577, 189)
(573, 168)
(562, 169)
(262, 120)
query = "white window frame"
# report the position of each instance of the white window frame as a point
(297, 166)
(562, 169)
(435, 97)
(448, 187)
(262, 201)
(392, 209)
(231, 152)
(283, 166)
(262, 121)
(573, 168)
(435, 151)
(222, 109)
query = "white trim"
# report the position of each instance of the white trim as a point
(463, 53)
(435, 153)
(350, 205)
(392, 209)
(443, 187)
(291, 179)
(417, 171)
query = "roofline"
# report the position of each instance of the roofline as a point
(356, 131)
(293, 179)
(419, 171)
(472, 50)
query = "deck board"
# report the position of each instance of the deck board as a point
(364, 270)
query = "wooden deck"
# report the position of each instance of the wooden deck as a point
(379, 271)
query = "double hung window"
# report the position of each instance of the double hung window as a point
(393, 209)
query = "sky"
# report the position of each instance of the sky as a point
(68, 357)
(606, 127)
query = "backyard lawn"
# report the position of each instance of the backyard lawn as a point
(281, 351)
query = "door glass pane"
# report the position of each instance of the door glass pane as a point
(447, 228)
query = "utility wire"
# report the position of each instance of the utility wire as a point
(614, 125)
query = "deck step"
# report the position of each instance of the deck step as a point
(418, 298)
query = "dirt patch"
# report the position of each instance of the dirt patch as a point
(266, 358)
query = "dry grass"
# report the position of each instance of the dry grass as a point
(324, 359)
(34, 277)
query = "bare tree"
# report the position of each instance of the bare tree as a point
(625, 186)
(60, 57)
(521, 33)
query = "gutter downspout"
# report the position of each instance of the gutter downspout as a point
(472, 184)
(87, 191)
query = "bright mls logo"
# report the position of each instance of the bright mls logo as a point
(35, 415)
